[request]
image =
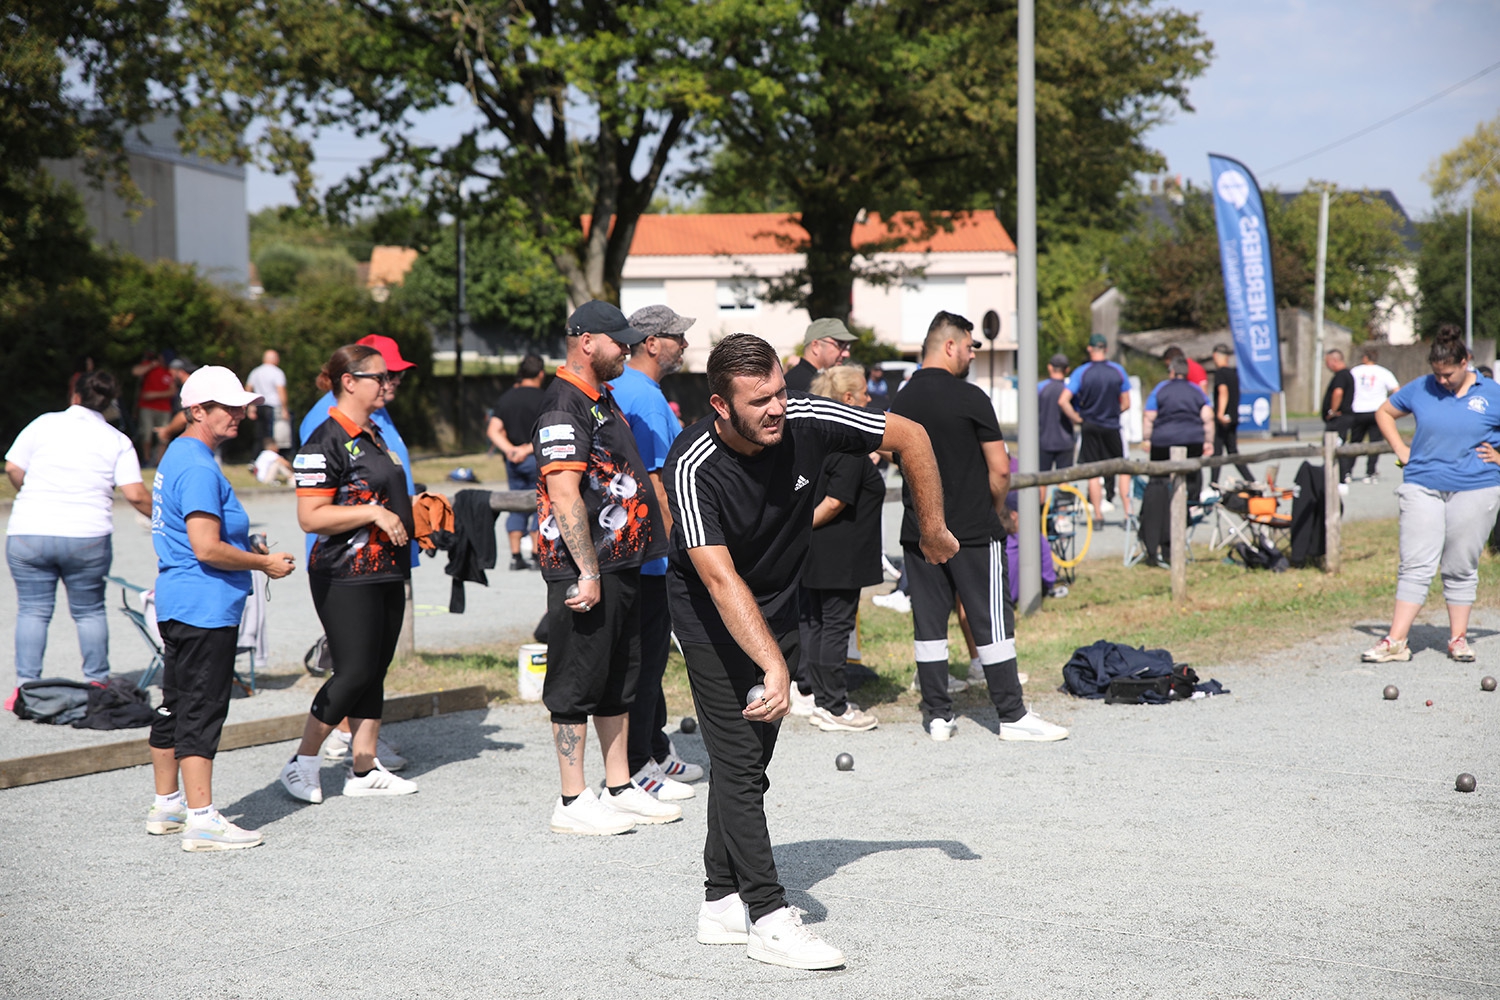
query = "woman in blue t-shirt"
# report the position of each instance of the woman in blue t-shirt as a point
(1450, 492)
(202, 539)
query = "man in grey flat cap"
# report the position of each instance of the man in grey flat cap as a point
(825, 344)
(654, 764)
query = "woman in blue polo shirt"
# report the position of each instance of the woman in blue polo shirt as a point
(202, 540)
(1450, 492)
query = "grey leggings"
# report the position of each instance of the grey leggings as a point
(1447, 531)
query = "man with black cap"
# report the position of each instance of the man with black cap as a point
(599, 520)
(1097, 393)
(1054, 429)
(654, 764)
(825, 344)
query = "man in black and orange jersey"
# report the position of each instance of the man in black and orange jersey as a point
(599, 520)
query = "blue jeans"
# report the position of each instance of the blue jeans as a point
(37, 562)
(522, 476)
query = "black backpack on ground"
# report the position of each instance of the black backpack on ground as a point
(51, 701)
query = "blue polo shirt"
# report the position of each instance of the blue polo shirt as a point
(188, 481)
(1178, 405)
(1096, 388)
(381, 418)
(654, 425)
(1449, 428)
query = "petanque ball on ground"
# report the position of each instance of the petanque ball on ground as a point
(688, 725)
(755, 694)
(844, 762)
(1391, 694)
(1487, 684)
(1465, 783)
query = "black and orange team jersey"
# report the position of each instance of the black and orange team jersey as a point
(760, 507)
(582, 430)
(353, 466)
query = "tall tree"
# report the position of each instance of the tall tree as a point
(910, 105)
(1476, 162)
(580, 102)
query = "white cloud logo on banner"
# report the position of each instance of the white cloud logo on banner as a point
(1234, 188)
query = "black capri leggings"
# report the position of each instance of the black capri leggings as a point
(362, 622)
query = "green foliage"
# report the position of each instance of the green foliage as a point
(284, 267)
(1171, 275)
(866, 350)
(1071, 273)
(44, 241)
(1472, 165)
(1440, 273)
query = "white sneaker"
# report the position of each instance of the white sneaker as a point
(955, 686)
(1105, 507)
(652, 781)
(639, 806)
(218, 834)
(303, 783)
(378, 782)
(1032, 728)
(896, 601)
(678, 769)
(730, 926)
(803, 704)
(586, 816)
(780, 939)
(941, 730)
(976, 672)
(336, 747)
(852, 721)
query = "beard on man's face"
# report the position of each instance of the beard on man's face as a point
(753, 431)
(607, 368)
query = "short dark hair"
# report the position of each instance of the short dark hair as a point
(1224, 349)
(531, 366)
(1178, 365)
(945, 320)
(1448, 346)
(349, 358)
(738, 354)
(1172, 353)
(1369, 354)
(1332, 351)
(96, 390)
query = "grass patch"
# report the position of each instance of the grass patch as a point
(434, 471)
(1231, 614)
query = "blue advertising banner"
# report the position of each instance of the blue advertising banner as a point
(1255, 412)
(1245, 253)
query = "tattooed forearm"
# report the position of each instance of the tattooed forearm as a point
(573, 525)
(567, 738)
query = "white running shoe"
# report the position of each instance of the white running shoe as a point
(780, 939)
(941, 730)
(729, 926)
(1032, 728)
(1386, 651)
(955, 686)
(639, 806)
(678, 769)
(652, 781)
(976, 672)
(803, 704)
(1105, 507)
(161, 820)
(896, 601)
(852, 721)
(379, 781)
(218, 834)
(588, 817)
(336, 747)
(303, 783)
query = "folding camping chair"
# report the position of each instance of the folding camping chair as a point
(1251, 514)
(1201, 508)
(252, 626)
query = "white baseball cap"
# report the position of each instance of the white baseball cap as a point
(215, 384)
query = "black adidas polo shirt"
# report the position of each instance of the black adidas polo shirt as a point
(760, 507)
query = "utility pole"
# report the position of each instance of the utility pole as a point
(1029, 593)
(1317, 379)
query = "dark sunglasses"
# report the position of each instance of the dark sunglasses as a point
(386, 378)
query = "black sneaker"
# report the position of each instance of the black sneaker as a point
(518, 561)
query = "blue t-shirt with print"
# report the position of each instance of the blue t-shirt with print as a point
(388, 433)
(188, 481)
(1449, 428)
(654, 425)
(1096, 387)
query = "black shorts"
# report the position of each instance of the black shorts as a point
(594, 658)
(1099, 444)
(196, 680)
(1055, 460)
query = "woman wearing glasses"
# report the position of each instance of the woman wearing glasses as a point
(352, 494)
(202, 539)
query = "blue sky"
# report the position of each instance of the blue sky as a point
(1287, 77)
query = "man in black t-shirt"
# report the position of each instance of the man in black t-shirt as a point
(975, 468)
(1338, 405)
(598, 518)
(509, 430)
(1226, 403)
(742, 485)
(825, 344)
(1055, 430)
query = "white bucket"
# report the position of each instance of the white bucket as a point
(532, 671)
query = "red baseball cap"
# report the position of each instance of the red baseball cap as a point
(388, 350)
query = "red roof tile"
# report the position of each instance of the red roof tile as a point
(772, 233)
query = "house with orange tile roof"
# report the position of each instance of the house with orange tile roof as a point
(388, 266)
(715, 268)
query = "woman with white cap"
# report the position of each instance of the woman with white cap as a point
(202, 538)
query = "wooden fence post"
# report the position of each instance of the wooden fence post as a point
(1179, 530)
(1333, 506)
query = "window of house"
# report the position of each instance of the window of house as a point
(737, 297)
